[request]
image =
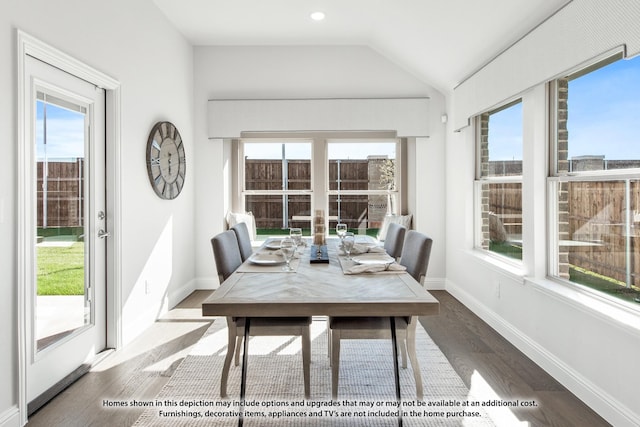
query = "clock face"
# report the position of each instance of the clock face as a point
(166, 164)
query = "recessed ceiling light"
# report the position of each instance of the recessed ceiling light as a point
(317, 16)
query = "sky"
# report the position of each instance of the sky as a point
(604, 116)
(302, 150)
(65, 132)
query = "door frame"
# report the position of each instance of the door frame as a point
(31, 46)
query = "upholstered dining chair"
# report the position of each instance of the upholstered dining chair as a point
(244, 240)
(394, 240)
(228, 258)
(416, 251)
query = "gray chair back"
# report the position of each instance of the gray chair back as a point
(226, 253)
(415, 254)
(244, 240)
(395, 239)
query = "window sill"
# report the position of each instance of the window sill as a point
(619, 314)
(499, 264)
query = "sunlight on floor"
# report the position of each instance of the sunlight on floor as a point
(502, 416)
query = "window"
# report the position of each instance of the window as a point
(355, 182)
(499, 181)
(277, 184)
(595, 179)
(362, 184)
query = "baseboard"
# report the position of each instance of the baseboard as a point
(10, 417)
(435, 283)
(207, 283)
(177, 295)
(598, 399)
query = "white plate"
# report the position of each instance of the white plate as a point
(273, 244)
(372, 259)
(266, 258)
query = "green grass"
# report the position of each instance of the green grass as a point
(507, 249)
(604, 284)
(61, 270)
(578, 275)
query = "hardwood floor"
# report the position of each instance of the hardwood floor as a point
(486, 362)
(489, 363)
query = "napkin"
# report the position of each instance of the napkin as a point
(374, 268)
(360, 248)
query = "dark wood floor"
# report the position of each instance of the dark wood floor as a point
(487, 363)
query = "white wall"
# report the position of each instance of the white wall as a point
(588, 345)
(303, 72)
(135, 44)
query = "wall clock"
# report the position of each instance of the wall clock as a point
(166, 163)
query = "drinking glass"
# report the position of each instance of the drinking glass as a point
(288, 247)
(296, 234)
(348, 241)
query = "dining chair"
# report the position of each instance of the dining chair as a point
(244, 240)
(394, 240)
(416, 251)
(227, 255)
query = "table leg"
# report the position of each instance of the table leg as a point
(243, 377)
(394, 342)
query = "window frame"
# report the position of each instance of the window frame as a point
(480, 181)
(319, 191)
(557, 177)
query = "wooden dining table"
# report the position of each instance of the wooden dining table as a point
(315, 288)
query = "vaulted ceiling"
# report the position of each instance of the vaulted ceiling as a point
(441, 42)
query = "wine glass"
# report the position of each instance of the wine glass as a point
(340, 230)
(348, 241)
(296, 234)
(288, 247)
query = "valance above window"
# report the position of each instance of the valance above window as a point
(407, 117)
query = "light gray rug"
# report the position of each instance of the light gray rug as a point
(274, 393)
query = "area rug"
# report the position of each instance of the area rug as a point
(275, 390)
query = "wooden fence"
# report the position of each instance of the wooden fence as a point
(355, 210)
(60, 197)
(597, 224)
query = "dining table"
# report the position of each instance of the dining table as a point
(323, 281)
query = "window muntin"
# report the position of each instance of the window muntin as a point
(595, 186)
(499, 183)
(362, 182)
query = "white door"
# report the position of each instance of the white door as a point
(67, 309)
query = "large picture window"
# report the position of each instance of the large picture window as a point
(354, 181)
(595, 182)
(499, 181)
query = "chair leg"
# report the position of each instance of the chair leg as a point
(411, 349)
(403, 350)
(306, 361)
(238, 348)
(335, 362)
(231, 342)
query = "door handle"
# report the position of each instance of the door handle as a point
(102, 234)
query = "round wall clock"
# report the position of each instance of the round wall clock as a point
(166, 163)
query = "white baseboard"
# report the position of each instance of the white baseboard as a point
(207, 283)
(598, 399)
(435, 283)
(10, 417)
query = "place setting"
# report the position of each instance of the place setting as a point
(276, 255)
(360, 258)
